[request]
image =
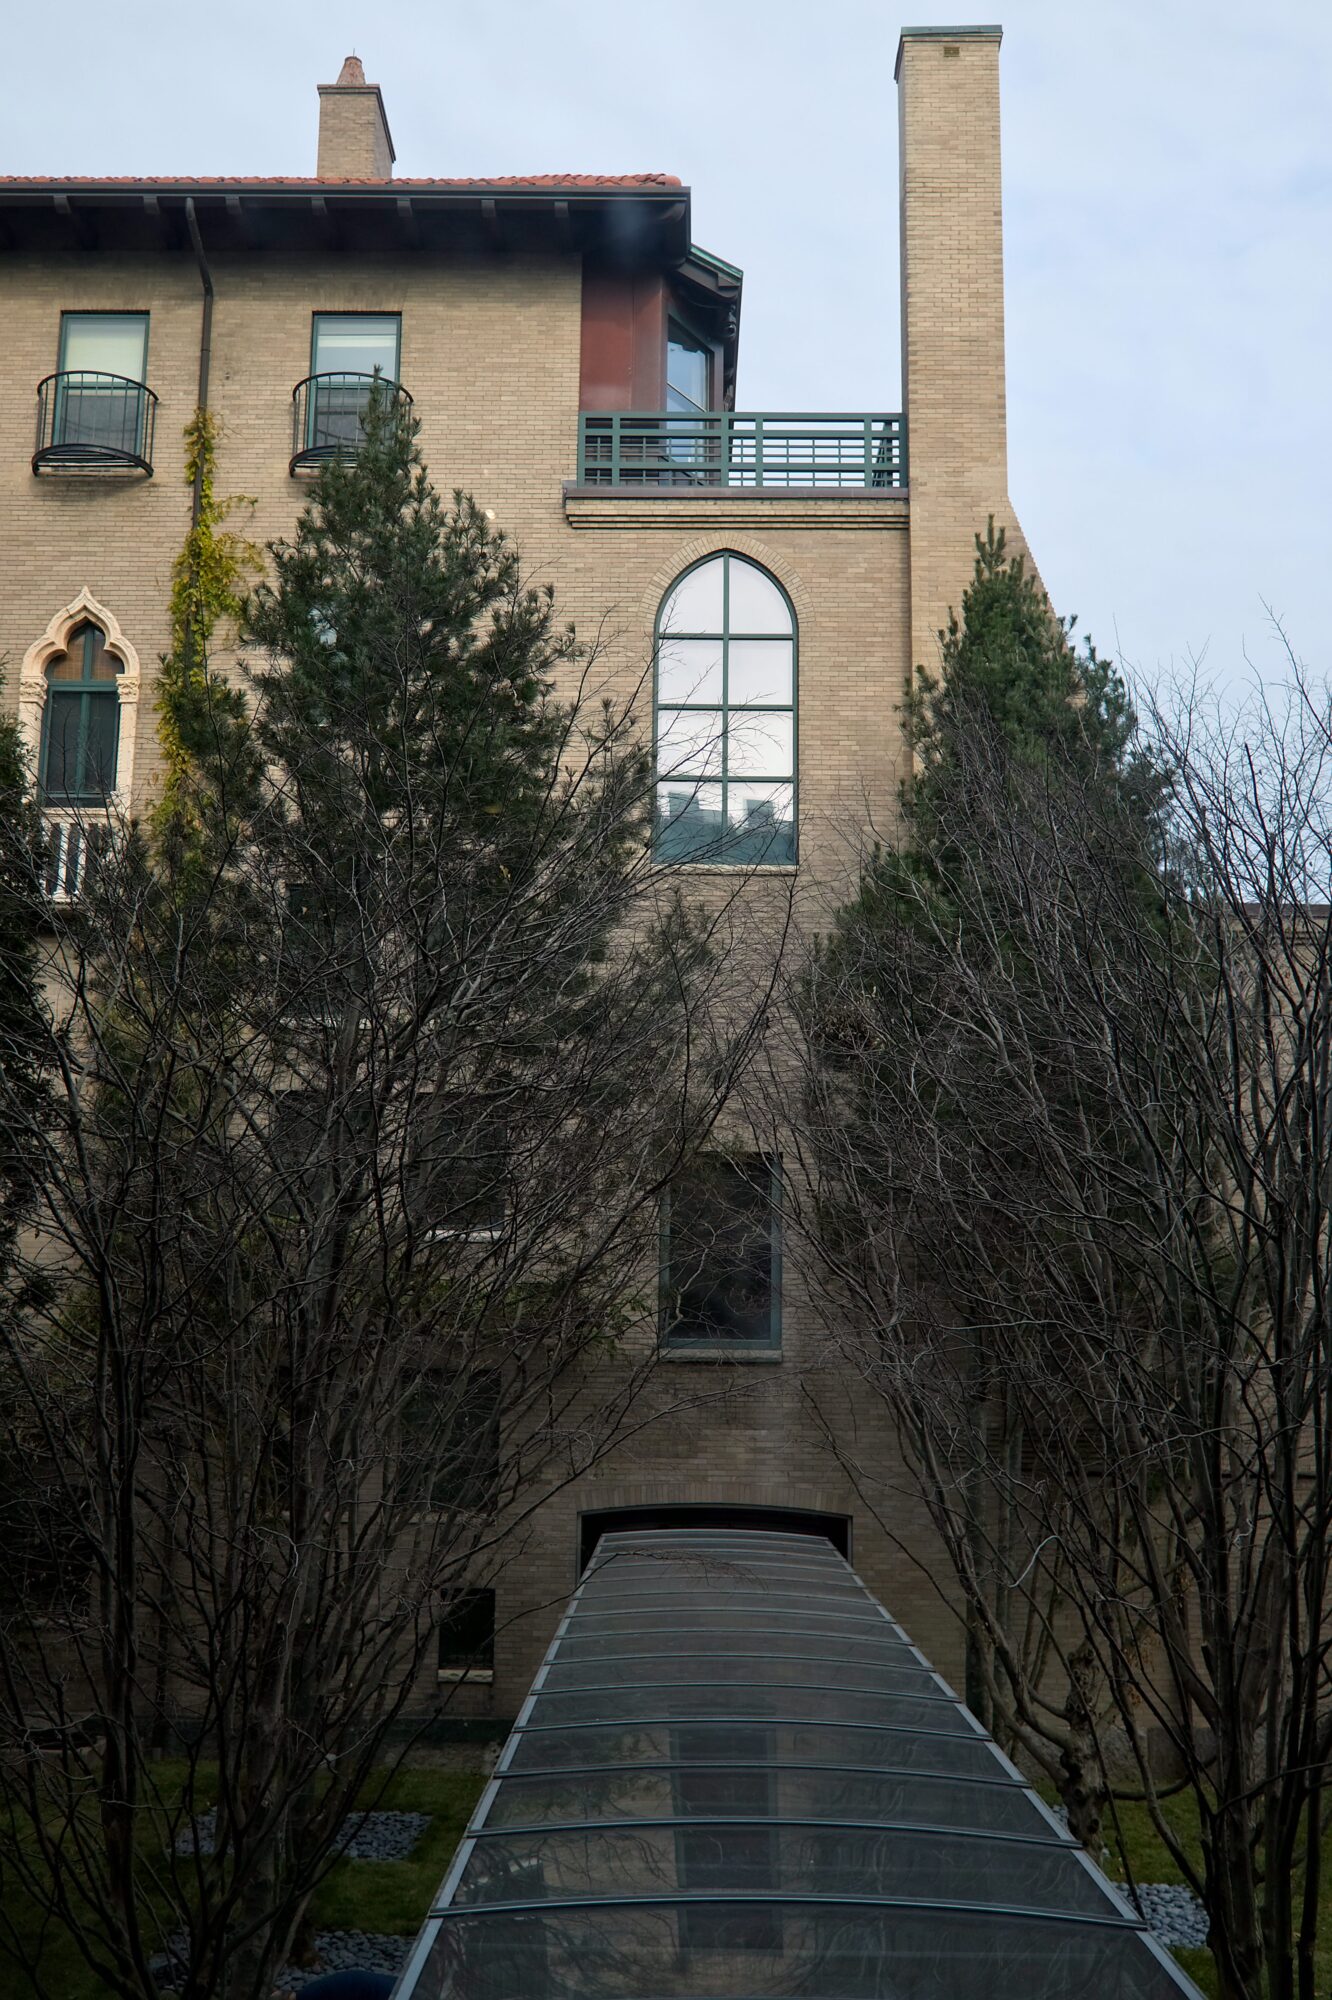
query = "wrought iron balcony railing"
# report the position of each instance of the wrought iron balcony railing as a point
(89, 422)
(74, 845)
(328, 416)
(725, 448)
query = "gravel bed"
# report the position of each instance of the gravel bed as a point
(345, 1951)
(367, 1836)
(1172, 1912)
(339, 1951)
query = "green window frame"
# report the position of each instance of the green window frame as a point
(725, 696)
(709, 1262)
(337, 397)
(126, 324)
(80, 744)
(323, 322)
(90, 411)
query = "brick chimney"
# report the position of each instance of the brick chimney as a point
(952, 313)
(354, 142)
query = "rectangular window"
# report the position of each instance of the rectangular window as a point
(102, 366)
(455, 1181)
(688, 372)
(721, 1269)
(347, 352)
(105, 344)
(467, 1636)
(450, 1446)
(356, 344)
(320, 1151)
(81, 737)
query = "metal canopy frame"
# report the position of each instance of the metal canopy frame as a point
(847, 1904)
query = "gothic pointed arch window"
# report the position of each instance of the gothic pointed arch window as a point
(725, 653)
(80, 736)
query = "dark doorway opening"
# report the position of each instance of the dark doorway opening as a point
(834, 1528)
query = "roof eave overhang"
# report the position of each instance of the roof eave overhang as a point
(637, 222)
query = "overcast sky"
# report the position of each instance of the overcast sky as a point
(1168, 214)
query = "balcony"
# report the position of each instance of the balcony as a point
(328, 417)
(93, 423)
(74, 845)
(767, 452)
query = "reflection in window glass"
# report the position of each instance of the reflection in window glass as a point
(726, 780)
(721, 1248)
(105, 343)
(81, 722)
(688, 367)
(356, 344)
(99, 401)
(348, 352)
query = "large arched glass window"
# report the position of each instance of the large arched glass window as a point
(726, 750)
(81, 722)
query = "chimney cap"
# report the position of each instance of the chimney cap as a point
(351, 75)
(972, 32)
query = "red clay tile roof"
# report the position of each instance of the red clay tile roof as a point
(309, 181)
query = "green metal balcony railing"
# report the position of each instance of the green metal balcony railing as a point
(725, 448)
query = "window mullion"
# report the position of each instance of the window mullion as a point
(81, 758)
(725, 703)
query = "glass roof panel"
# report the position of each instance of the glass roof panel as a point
(773, 1642)
(788, 1743)
(759, 1952)
(737, 1779)
(790, 1791)
(918, 1866)
(762, 1701)
(894, 1676)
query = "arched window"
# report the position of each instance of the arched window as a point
(81, 721)
(726, 751)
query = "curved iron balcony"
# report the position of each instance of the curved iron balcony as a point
(89, 422)
(328, 417)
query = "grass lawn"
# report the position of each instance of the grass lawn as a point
(391, 1896)
(386, 1896)
(1152, 1863)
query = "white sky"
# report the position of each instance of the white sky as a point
(1168, 210)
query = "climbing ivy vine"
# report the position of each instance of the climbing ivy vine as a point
(210, 580)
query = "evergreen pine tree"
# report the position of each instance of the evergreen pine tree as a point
(22, 1039)
(1020, 739)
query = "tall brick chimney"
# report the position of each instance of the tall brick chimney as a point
(952, 312)
(354, 142)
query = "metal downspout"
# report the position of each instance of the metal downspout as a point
(205, 340)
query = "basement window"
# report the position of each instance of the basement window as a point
(467, 1637)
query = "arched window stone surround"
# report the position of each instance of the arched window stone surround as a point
(32, 686)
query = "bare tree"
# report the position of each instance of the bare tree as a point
(1080, 1108)
(369, 1062)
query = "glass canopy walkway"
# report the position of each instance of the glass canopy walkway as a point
(735, 1778)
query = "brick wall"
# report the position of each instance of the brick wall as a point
(490, 353)
(952, 314)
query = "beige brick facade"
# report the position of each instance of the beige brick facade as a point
(491, 357)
